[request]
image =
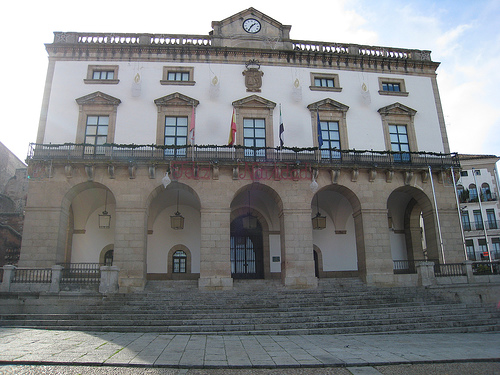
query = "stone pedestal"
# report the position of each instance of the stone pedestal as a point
(55, 284)
(425, 271)
(109, 280)
(8, 275)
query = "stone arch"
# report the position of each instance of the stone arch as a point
(104, 252)
(163, 240)
(77, 206)
(341, 242)
(266, 205)
(411, 214)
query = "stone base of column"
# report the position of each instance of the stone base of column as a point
(215, 283)
(131, 285)
(300, 282)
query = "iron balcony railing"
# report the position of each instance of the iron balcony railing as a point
(480, 225)
(486, 268)
(199, 153)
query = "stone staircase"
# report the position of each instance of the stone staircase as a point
(337, 306)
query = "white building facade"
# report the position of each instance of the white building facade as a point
(337, 163)
(478, 192)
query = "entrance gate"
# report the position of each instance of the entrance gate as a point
(246, 251)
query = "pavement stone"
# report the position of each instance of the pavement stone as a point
(360, 352)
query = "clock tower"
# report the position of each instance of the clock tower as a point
(250, 29)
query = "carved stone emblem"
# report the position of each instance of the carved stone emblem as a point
(253, 76)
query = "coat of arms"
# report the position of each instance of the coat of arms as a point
(253, 76)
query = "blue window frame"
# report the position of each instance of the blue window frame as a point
(399, 142)
(254, 135)
(331, 140)
(176, 133)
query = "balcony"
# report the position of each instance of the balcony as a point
(235, 154)
(480, 225)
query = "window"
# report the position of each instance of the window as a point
(254, 124)
(464, 173)
(254, 135)
(466, 220)
(174, 115)
(331, 139)
(495, 248)
(478, 220)
(333, 125)
(97, 120)
(492, 220)
(108, 258)
(399, 130)
(469, 246)
(399, 142)
(179, 262)
(483, 249)
(477, 172)
(325, 82)
(176, 134)
(392, 86)
(472, 193)
(106, 74)
(178, 75)
(485, 192)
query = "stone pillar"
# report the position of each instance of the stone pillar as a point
(297, 260)
(130, 248)
(425, 272)
(375, 262)
(55, 285)
(8, 275)
(44, 237)
(109, 280)
(215, 257)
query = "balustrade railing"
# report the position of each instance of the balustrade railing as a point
(80, 273)
(486, 268)
(408, 266)
(110, 152)
(480, 225)
(450, 269)
(32, 275)
(206, 40)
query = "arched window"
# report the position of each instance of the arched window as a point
(460, 192)
(486, 192)
(179, 262)
(472, 192)
(108, 258)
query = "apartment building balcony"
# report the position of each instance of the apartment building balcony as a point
(231, 155)
(480, 225)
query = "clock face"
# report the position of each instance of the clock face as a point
(251, 26)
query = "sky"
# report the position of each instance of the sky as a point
(463, 36)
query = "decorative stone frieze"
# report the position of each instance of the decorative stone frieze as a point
(90, 170)
(354, 175)
(372, 174)
(68, 170)
(389, 175)
(408, 176)
(335, 174)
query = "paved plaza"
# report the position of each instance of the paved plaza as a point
(20, 346)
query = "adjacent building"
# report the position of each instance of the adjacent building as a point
(478, 192)
(239, 154)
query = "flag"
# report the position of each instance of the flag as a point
(191, 127)
(320, 137)
(282, 131)
(232, 132)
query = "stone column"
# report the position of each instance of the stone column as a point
(130, 248)
(109, 280)
(297, 260)
(8, 275)
(470, 272)
(375, 262)
(215, 257)
(44, 237)
(55, 285)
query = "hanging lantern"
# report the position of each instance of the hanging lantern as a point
(318, 221)
(177, 220)
(105, 217)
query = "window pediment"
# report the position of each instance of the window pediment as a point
(328, 105)
(397, 109)
(176, 99)
(254, 101)
(98, 98)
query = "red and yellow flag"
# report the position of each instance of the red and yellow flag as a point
(232, 133)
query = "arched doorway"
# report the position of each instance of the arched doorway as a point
(247, 249)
